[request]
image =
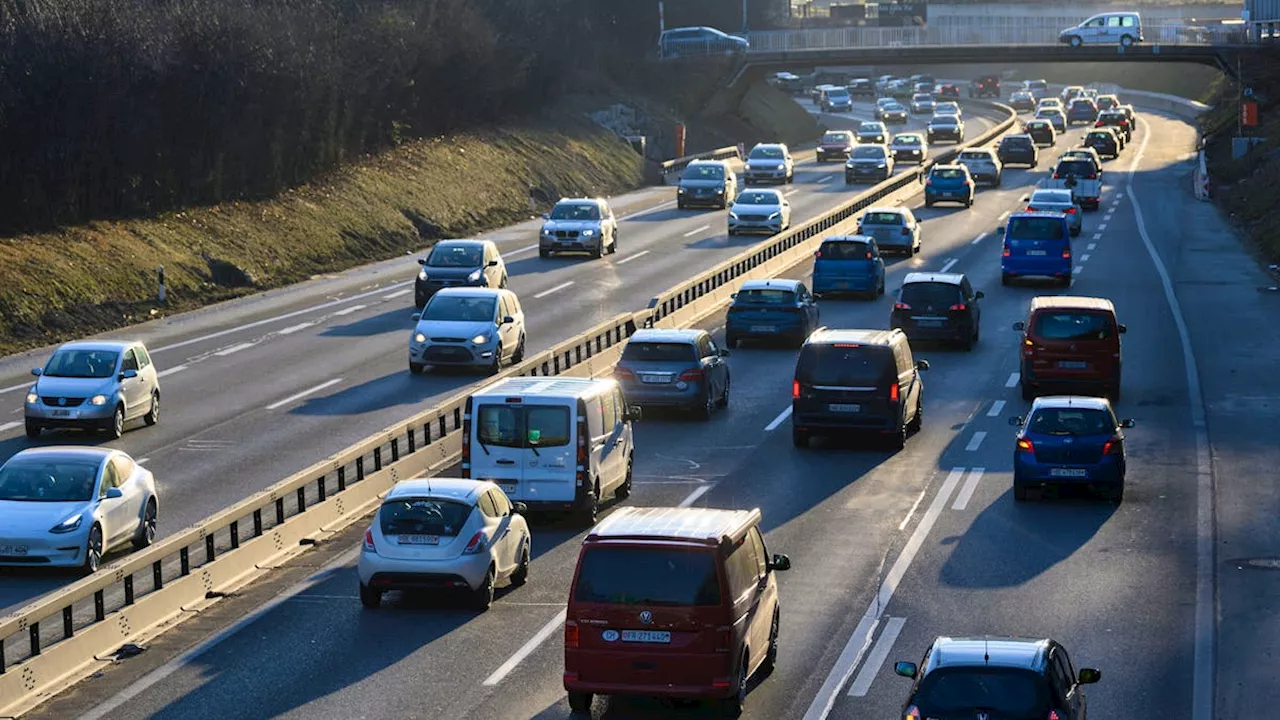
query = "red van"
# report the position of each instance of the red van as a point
(672, 602)
(1070, 342)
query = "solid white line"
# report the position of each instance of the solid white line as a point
(979, 239)
(976, 441)
(1102, 226)
(997, 407)
(235, 349)
(294, 328)
(791, 192)
(903, 525)
(1097, 236)
(1004, 214)
(950, 263)
(304, 393)
(524, 249)
(172, 370)
(626, 260)
(875, 660)
(1084, 257)
(782, 417)
(1092, 246)
(349, 310)
(11, 388)
(396, 294)
(861, 638)
(1012, 381)
(966, 492)
(11, 425)
(825, 178)
(697, 230)
(557, 288)
(697, 493)
(1202, 679)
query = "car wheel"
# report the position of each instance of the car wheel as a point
(1126, 41)
(897, 440)
(732, 706)
(115, 428)
(1115, 493)
(771, 655)
(496, 366)
(724, 396)
(624, 490)
(589, 508)
(544, 253)
(93, 551)
(1019, 492)
(680, 204)
(732, 341)
(880, 290)
(1005, 279)
(146, 534)
(519, 356)
(799, 437)
(704, 410)
(369, 597)
(521, 574)
(597, 252)
(416, 368)
(482, 597)
(33, 430)
(928, 203)
(153, 415)
(580, 702)
(917, 422)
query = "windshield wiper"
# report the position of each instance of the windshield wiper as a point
(483, 447)
(534, 447)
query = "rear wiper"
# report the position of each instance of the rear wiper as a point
(534, 447)
(483, 447)
(1059, 432)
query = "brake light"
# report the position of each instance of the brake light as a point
(913, 713)
(1056, 176)
(928, 181)
(1071, 211)
(1005, 251)
(868, 255)
(893, 392)
(1025, 445)
(691, 375)
(368, 541)
(1031, 209)
(958, 306)
(1098, 124)
(466, 441)
(1112, 447)
(622, 373)
(570, 634)
(818, 254)
(1066, 254)
(1124, 123)
(795, 389)
(1053, 715)
(476, 544)
(580, 477)
(901, 306)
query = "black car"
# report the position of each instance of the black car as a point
(1104, 141)
(1018, 150)
(996, 677)
(1022, 101)
(985, 86)
(871, 133)
(945, 127)
(1116, 119)
(1041, 133)
(938, 306)
(862, 87)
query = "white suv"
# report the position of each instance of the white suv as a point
(478, 327)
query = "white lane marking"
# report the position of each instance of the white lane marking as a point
(11, 388)
(524, 249)
(1092, 246)
(1202, 680)
(966, 492)
(1077, 270)
(1101, 227)
(875, 660)
(782, 417)
(919, 498)
(304, 393)
(349, 310)
(557, 288)
(697, 230)
(975, 442)
(979, 239)
(396, 294)
(1012, 381)
(997, 407)
(235, 349)
(950, 264)
(1120, 195)
(628, 259)
(825, 178)
(294, 328)
(861, 638)
(1004, 214)
(1084, 257)
(791, 192)
(172, 370)
(11, 425)
(646, 211)
(557, 622)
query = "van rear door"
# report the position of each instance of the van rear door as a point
(497, 443)
(845, 381)
(550, 464)
(1074, 344)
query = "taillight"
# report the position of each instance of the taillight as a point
(1056, 176)
(1005, 251)
(1098, 124)
(795, 389)
(905, 231)
(1053, 715)
(1066, 254)
(1113, 446)
(368, 541)
(476, 544)
(691, 375)
(622, 373)
(913, 713)
(928, 181)
(1025, 445)
(893, 392)
(901, 306)
(869, 254)
(1031, 209)
(466, 441)
(958, 306)
(1071, 211)
(570, 634)
(580, 477)
(818, 254)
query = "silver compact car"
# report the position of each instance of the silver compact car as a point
(94, 385)
(476, 327)
(459, 263)
(770, 162)
(1057, 201)
(909, 147)
(759, 211)
(579, 225)
(922, 103)
(70, 506)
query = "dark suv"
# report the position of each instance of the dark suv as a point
(938, 306)
(996, 677)
(1019, 149)
(860, 380)
(985, 86)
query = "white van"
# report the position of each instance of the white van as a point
(1113, 28)
(553, 443)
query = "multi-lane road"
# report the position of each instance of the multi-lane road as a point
(888, 550)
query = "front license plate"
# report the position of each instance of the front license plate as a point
(646, 636)
(419, 540)
(508, 488)
(1068, 472)
(62, 413)
(1036, 253)
(844, 407)
(761, 328)
(1072, 364)
(12, 550)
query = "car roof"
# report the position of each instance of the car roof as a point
(702, 525)
(689, 335)
(1026, 653)
(1060, 194)
(56, 452)
(886, 209)
(578, 201)
(771, 284)
(828, 336)
(546, 386)
(950, 166)
(116, 345)
(933, 277)
(1037, 213)
(460, 242)
(450, 488)
(471, 292)
(777, 194)
(780, 146)
(1071, 401)
(849, 238)
(1074, 302)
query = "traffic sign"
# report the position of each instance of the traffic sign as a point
(1249, 114)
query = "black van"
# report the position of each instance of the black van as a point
(938, 306)
(860, 380)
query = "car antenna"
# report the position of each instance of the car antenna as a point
(986, 651)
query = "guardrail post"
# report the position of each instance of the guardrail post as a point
(128, 587)
(208, 549)
(321, 489)
(302, 500)
(395, 449)
(257, 522)
(444, 430)
(377, 459)
(2, 670)
(68, 627)
(184, 561)
(157, 575)
(360, 465)
(34, 633)
(412, 446)
(279, 511)
(99, 607)
(235, 531)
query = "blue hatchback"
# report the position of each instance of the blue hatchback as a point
(1036, 244)
(849, 264)
(949, 183)
(770, 310)
(1070, 439)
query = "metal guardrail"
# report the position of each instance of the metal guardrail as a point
(680, 163)
(58, 638)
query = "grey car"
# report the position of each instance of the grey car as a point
(674, 368)
(476, 327)
(770, 162)
(710, 183)
(759, 211)
(579, 225)
(459, 263)
(894, 228)
(94, 385)
(1058, 201)
(868, 163)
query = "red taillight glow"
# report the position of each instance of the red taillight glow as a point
(913, 713)
(622, 373)
(1031, 209)
(580, 477)
(1053, 715)
(691, 375)
(466, 443)
(1066, 254)
(929, 181)
(893, 392)
(1005, 251)
(795, 389)
(1056, 176)
(475, 544)
(1025, 445)
(368, 541)
(958, 306)
(1071, 211)
(1112, 447)
(570, 634)
(901, 306)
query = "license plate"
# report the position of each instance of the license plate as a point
(62, 413)
(761, 328)
(1037, 253)
(12, 550)
(419, 540)
(1068, 472)
(646, 636)
(844, 407)
(655, 379)
(1073, 364)
(508, 488)
(929, 323)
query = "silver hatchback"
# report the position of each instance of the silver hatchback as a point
(98, 385)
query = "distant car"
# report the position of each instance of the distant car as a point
(770, 162)
(1049, 102)
(1070, 344)
(1057, 201)
(948, 108)
(1118, 120)
(1104, 140)
(1018, 149)
(835, 145)
(894, 228)
(445, 534)
(948, 90)
(459, 263)
(70, 506)
(696, 41)
(1042, 132)
(1130, 113)
(474, 327)
(579, 225)
(759, 211)
(93, 385)
(837, 99)
(1036, 244)
(1087, 154)
(868, 163)
(945, 127)
(1070, 440)
(709, 183)
(871, 132)
(815, 93)
(924, 87)
(1107, 102)
(938, 307)
(1082, 110)
(984, 165)
(787, 82)
(986, 86)
(861, 87)
(909, 147)
(1090, 93)
(1022, 101)
(1037, 88)
(1054, 116)
(1004, 676)
(848, 264)
(775, 309)
(893, 112)
(922, 103)
(951, 183)
(671, 368)
(1070, 92)
(1110, 28)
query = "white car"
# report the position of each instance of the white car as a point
(948, 108)
(759, 211)
(769, 162)
(909, 147)
(68, 506)
(1049, 104)
(477, 327)
(1112, 28)
(445, 534)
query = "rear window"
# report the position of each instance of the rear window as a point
(423, 516)
(1015, 142)
(845, 365)
(522, 426)
(930, 294)
(1001, 692)
(1082, 168)
(765, 296)
(948, 173)
(1036, 228)
(882, 218)
(1037, 85)
(844, 250)
(657, 577)
(1100, 136)
(1071, 421)
(1072, 325)
(659, 352)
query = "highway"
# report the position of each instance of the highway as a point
(249, 387)
(888, 550)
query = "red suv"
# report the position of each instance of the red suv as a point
(1070, 342)
(672, 602)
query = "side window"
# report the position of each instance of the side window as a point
(620, 401)
(123, 467)
(1067, 668)
(1113, 21)
(802, 292)
(130, 361)
(740, 566)
(110, 479)
(711, 346)
(514, 303)
(144, 360)
(1060, 684)
(598, 415)
(966, 288)
(704, 346)
(908, 362)
(762, 557)
(501, 503)
(486, 505)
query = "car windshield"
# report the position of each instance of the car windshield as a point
(704, 172)
(575, 211)
(893, 107)
(931, 294)
(870, 127)
(920, 97)
(948, 173)
(1081, 168)
(1016, 142)
(522, 426)
(844, 364)
(882, 218)
(82, 364)
(757, 198)
(463, 256)
(48, 480)
(844, 250)
(943, 120)
(460, 309)
(765, 153)
(765, 296)
(423, 516)
(832, 138)
(659, 352)
(838, 94)
(873, 152)
(1071, 421)
(1072, 326)
(1036, 228)
(907, 140)
(1001, 692)
(1022, 95)
(1051, 197)
(658, 577)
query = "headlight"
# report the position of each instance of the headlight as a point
(588, 233)
(882, 166)
(419, 338)
(475, 275)
(680, 190)
(481, 339)
(548, 232)
(32, 398)
(733, 215)
(98, 400)
(781, 167)
(422, 275)
(67, 525)
(747, 166)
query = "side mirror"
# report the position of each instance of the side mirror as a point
(128, 374)
(417, 316)
(1016, 421)
(1026, 198)
(733, 296)
(1002, 229)
(545, 216)
(36, 371)
(1122, 329)
(633, 413)
(422, 261)
(493, 263)
(519, 508)
(1089, 676)
(113, 493)
(922, 365)
(905, 669)
(979, 295)
(1128, 423)
(722, 353)
(1020, 326)
(780, 563)
(507, 320)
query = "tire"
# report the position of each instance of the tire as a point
(1115, 493)
(115, 428)
(416, 368)
(733, 705)
(723, 402)
(680, 205)
(613, 246)
(521, 574)
(880, 290)
(799, 437)
(917, 422)
(33, 431)
(967, 344)
(732, 341)
(1126, 41)
(153, 415)
(519, 356)
(1076, 41)
(580, 702)
(496, 366)
(94, 549)
(369, 597)
(1019, 492)
(704, 411)
(897, 441)
(544, 254)
(503, 283)
(482, 597)
(587, 511)
(771, 655)
(598, 251)
(146, 534)
(624, 490)
(1005, 279)
(928, 203)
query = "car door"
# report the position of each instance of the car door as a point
(133, 389)
(971, 299)
(744, 575)
(613, 448)
(509, 332)
(510, 538)
(114, 511)
(134, 493)
(712, 364)
(147, 370)
(1062, 687)
(908, 377)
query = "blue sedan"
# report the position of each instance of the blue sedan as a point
(771, 310)
(1070, 440)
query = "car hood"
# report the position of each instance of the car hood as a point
(453, 328)
(33, 519)
(571, 225)
(448, 273)
(755, 209)
(765, 162)
(904, 146)
(52, 386)
(938, 126)
(840, 101)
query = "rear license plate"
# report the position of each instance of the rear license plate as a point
(844, 407)
(655, 379)
(929, 323)
(761, 328)
(1036, 253)
(12, 550)
(646, 636)
(1073, 364)
(419, 540)
(1068, 472)
(508, 488)
(62, 413)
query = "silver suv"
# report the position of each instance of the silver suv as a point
(707, 182)
(476, 327)
(579, 225)
(770, 162)
(99, 385)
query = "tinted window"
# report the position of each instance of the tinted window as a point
(974, 155)
(130, 361)
(575, 211)
(1016, 142)
(500, 502)
(455, 256)
(423, 516)
(832, 138)
(487, 506)
(1072, 326)
(844, 250)
(948, 173)
(765, 296)
(659, 352)
(1036, 228)
(1004, 692)
(943, 120)
(704, 172)
(882, 218)
(1101, 136)
(870, 127)
(838, 94)
(742, 569)
(1071, 421)
(663, 577)
(757, 198)
(460, 309)
(521, 426)
(845, 365)
(1051, 197)
(930, 294)
(768, 153)
(1081, 168)
(869, 152)
(82, 363)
